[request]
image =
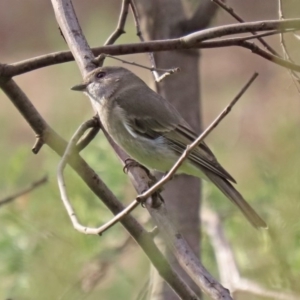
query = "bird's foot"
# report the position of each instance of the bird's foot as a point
(131, 163)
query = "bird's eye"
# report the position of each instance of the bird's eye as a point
(100, 75)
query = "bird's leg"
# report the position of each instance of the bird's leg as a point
(129, 163)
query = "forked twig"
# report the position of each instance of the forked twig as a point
(121, 23)
(117, 32)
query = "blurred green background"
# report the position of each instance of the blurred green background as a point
(42, 257)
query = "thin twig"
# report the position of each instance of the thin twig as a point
(238, 18)
(166, 71)
(136, 18)
(121, 24)
(27, 190)
(235, 40)
(207, 34)
(118, 31)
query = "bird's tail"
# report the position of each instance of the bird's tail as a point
(227, 188)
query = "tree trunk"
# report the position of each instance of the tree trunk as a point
(165, 19)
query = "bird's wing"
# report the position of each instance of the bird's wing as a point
(157, 117)
(201, 156)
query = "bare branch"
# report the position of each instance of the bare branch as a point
(238, 18)
(167, 72)
(121, 23)
(27, 190)
(199, 36)
(118, 31)
(166, 45)
(254, 49)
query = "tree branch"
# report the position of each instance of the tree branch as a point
(165, 45)
(238, 18)
(121, 23)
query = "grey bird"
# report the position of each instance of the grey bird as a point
(153, 132)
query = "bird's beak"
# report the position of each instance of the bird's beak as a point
(79, 87)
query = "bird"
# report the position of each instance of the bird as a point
(152, 131)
